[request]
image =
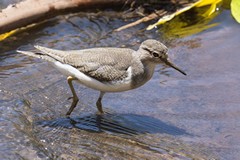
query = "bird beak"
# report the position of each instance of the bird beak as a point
(169, 63)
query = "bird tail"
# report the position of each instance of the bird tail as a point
(37, 55)
(48, 54)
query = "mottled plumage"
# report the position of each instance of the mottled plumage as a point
(102, 65)
(107, 69)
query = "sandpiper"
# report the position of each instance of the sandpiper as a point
(107, 69)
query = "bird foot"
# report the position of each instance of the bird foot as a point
(100, 113)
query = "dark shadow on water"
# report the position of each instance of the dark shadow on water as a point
(128, 124)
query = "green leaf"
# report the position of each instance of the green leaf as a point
(235, 9)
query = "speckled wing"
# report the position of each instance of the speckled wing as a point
(105, 64)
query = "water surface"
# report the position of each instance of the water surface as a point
(171, 117)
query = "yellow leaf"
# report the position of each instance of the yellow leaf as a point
(18, 30)
(188, 23)
(202, 3)
(8, 34)
(235, 9)
(199, 3)
(166, 18)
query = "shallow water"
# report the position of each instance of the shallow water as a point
(171, 117)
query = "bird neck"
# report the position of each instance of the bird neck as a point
(149, 68)
(142, 71)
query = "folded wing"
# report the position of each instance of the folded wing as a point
(105, 64)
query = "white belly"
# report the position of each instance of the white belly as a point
(117, 86)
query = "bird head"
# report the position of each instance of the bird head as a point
(156, 52)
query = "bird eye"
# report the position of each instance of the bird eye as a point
(155, 54)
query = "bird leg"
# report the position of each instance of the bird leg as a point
(75, 97)
(99, 102)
